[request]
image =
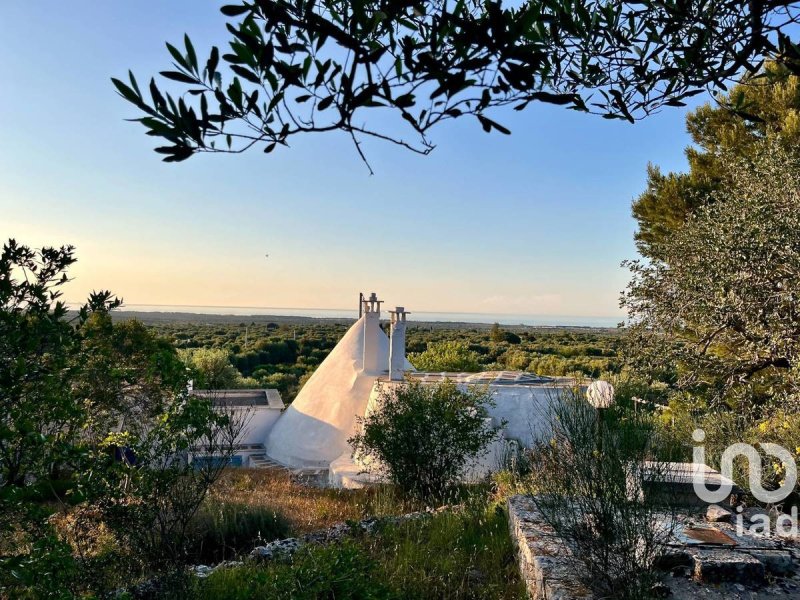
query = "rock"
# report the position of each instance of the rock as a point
(716, 514)
(202, 571)
(276, 549)
(739, 587)
(229, 564)
(716, 566)
(777, 562)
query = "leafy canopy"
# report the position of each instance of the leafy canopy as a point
(720, 306)
(302, 66)
(426, 435)
(765, 106)
(452, 356)
(95, 424)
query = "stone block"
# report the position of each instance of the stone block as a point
(776, 562)
(716, 566)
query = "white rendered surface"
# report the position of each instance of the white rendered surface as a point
(374, 360)
(259, 410)
(397, 349)
(260, 421)
(314, 430)
(521, 412)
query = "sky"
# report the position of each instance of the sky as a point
(533, 223)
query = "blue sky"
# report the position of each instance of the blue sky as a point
(534, 223)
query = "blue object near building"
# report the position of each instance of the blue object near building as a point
(217, 461)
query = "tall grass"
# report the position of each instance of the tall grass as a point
(459, 555)
(306, 508)
(343, 571)
(223, 530)
(454, 555)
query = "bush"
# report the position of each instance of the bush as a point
(446, 356)
(425, 435)
(211, 368)
(96, 413)
(592, 487)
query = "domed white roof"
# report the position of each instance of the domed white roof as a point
(314, 430)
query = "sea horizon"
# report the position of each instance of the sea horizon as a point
(343, 313)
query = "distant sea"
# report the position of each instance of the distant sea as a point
(331, 313)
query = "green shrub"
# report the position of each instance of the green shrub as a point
(592, 488)
(446, 356)
(424, 435)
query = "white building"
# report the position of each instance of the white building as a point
(258, 410)
(313, 432)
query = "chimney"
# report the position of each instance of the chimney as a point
(397, 344)
(372, 316)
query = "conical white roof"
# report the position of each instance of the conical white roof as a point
(314, 430)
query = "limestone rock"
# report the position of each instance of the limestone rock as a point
(716, 514)
(276, 549)
(714, 566)
(776, 562)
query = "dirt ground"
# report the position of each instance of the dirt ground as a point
(685, 588)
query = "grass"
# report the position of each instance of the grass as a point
(223, 530)
(344, 571)
(460, 555)
(305, 508)
(452, 555)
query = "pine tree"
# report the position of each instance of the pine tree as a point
(765, 106)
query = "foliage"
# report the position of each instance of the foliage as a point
(592, 488)
(718, 313)
(211, 368)
(497, 334)
(715, 330)
(424, 436)
(297, 67)
(781, 426)
(40, 420)
(149, 501)
(38, 417)
(95, 431)
(458, 556)
(282, 352)
(764, 106)
(446, 356)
